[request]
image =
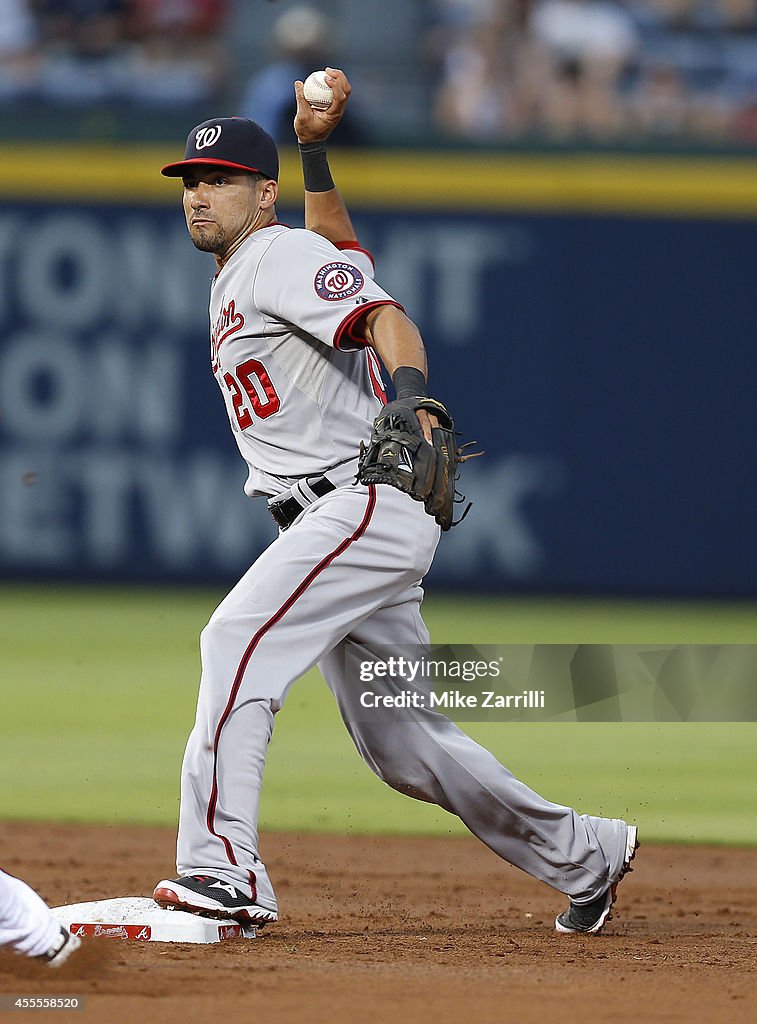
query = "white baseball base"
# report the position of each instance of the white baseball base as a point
(140, 918)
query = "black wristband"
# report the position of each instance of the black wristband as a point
(409, 382)
(315, 167)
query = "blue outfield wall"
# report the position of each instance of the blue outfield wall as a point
(607, 364)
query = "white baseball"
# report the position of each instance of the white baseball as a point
(318, 94)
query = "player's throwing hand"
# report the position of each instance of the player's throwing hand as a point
(316, 125)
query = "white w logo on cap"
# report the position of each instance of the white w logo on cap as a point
(207, 136)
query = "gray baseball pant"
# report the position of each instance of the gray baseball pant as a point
(346, 578)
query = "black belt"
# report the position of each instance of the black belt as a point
(285, 512)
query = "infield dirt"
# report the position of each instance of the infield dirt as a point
(402, 930)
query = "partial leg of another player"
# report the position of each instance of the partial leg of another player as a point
(28, 926)
(423, 754)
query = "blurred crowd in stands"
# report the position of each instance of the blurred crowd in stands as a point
(596, 69)
(492, 70)
(83, 52)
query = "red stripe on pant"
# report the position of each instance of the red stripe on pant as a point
(241, 669)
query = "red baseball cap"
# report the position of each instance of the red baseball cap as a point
(228, 142)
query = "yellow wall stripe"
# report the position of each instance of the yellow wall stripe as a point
(385, 179)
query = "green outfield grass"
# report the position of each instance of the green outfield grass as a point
(98, 690)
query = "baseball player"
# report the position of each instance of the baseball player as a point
(28, 926)
(297, 322)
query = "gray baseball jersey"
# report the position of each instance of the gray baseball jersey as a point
(298, 396)
(301, 391)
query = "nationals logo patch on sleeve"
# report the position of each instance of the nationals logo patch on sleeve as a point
(338, 281)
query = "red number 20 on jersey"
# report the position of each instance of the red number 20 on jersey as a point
(258, 386)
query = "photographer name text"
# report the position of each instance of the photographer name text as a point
(449, 700)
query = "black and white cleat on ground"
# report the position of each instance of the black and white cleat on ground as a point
(211, 897)
(590, 918)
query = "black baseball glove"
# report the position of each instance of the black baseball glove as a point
(399, 454)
